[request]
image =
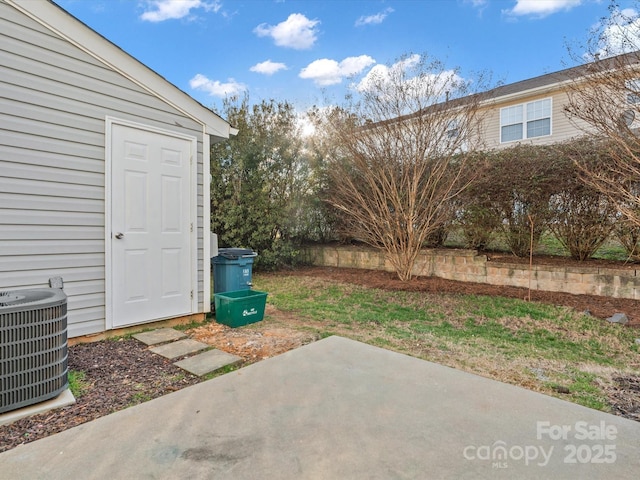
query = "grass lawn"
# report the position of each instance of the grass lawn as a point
(612, 249)
(540, 347)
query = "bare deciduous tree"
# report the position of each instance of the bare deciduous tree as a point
(605, 103)
(400, 157)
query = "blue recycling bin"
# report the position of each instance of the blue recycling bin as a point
(232, 269)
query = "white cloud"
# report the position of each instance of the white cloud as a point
(326, 72)
(373, 19)
(296, 32)
(160, 10)
(424, 86)
(383, 72)
(541, 8)
(620, 33)
(268, 67)
(215, 88)
(479, 5)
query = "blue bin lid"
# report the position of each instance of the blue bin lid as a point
(234, 253)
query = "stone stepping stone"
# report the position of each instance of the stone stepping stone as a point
(179, 348)
(162, 335)
(207, 362)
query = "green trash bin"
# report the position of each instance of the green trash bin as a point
(239, 308)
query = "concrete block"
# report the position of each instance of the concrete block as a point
(64, 399)
(207, 362)
(179, 348)
(620, 318)
(161, 335)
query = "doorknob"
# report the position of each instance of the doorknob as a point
(119, 235)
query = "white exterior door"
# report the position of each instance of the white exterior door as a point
(150, 237)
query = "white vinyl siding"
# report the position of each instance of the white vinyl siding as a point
(55, 98)
(525, 121)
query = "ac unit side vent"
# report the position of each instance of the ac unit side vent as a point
(33, 347)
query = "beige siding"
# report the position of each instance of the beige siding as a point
(562, 128)
(55, 98)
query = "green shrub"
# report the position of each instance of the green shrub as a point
(582, 217)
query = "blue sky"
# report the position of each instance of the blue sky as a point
(310, 52)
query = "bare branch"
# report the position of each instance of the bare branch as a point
(606, 105)
(401, 156)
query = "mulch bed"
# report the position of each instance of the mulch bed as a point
(625, 399)
(119, 373)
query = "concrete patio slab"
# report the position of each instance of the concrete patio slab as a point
(341, 409)
(161, 335)
(207, 362)
(180, 348)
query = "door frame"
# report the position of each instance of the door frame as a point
(193, 212)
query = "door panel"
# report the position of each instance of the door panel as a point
(151, 226)
(172, 209)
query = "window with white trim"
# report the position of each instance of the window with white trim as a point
(453, 135)
(526, 120)
(633, 91)
(453, 130)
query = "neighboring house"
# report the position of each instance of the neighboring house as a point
(532, 110)
(104, 175)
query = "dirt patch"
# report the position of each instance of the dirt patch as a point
(256, 342)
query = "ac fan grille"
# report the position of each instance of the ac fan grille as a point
(33, 355)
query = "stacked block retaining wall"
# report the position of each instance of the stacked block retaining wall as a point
(468, 266)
